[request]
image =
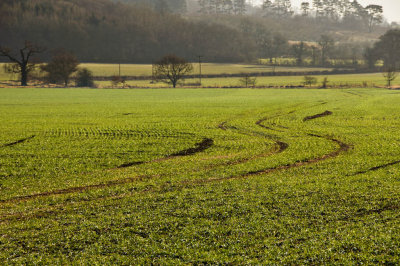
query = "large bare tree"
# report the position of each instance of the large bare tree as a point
(171, 69)
(22, 59)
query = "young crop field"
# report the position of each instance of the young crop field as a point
(199, 176)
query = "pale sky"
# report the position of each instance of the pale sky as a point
(391, 8)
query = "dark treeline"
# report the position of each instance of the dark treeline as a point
(104, 31)
(142, 31)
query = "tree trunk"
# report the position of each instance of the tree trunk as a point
(24, 76)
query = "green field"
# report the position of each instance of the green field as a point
(199, 176)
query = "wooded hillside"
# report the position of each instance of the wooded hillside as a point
(141, 31)
(104, 31)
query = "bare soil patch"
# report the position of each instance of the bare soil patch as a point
(326, 113)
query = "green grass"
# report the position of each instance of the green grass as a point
(317, 202)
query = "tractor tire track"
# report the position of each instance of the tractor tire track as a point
(200, 147)
(326, 113)
(278, 147)
(17, 142)
(76, 189)
(205, 144)
(375, 168)
(259, 123)
(343, 147)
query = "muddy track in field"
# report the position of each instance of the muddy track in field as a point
(259, 123)
(281, 146)
(326, 113)
(76, 189)
(205, 144)
(200, 147)
(375, 168)
(17, 142)
(342, 148)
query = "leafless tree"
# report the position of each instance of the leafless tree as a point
(171, 69)
(247, 81)
(326, 44)
(23, 60)
(390, 74)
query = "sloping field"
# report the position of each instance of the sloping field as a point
(199, 176)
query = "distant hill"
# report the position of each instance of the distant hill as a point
(141, 31)
(110, 31)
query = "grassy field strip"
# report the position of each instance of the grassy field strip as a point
(306, 176)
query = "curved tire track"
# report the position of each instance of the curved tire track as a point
(326, 113)
(17, 142)
(75, 189)
(279, 146)
(343, 147)
(375, 168)
(205, 144)
(200, 147)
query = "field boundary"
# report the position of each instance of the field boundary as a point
(240, 75)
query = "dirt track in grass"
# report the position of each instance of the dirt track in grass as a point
(326, 113)
(17, 142)
(202, 146)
